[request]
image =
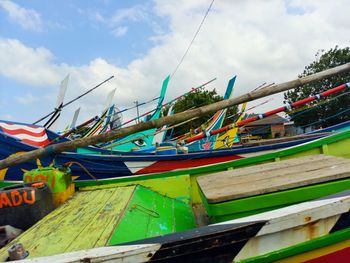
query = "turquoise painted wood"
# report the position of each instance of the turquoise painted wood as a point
(146, 141)
(147, 136)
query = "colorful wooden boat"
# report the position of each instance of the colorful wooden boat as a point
(314, 231)
(133, 141)
(108, 165)
(229, 138)
(216, 122)
(162, 222)
(105, 165)
(255, 189)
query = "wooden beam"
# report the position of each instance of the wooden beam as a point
(171, 120)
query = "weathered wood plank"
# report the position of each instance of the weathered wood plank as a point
(62, 231)
(32, 234)
(270, 167)
(98, 230)
(115, 254)
(82, 222)
(272, 177)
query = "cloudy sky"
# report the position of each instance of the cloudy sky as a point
(141, 42)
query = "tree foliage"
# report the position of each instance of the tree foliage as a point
(330, 110)
(195, 100)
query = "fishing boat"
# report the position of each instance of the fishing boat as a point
(215, 122)
(133, 141)
(314, 231)
(17, 138)
(171, 217)
(108, 165)
(165, 220)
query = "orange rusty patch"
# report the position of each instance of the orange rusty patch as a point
(308, 219)
(312, 229)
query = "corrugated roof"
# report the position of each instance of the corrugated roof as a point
(274, 119)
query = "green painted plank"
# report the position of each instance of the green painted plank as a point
(57, 239)
(119, 201)
(135, 219)
(178, 187)
(98, 230)
(184, 217)
(42, 231)
(162, 222)
(64, 229)
(252, 205)
(150, 214)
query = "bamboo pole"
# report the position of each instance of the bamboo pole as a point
(171, 120)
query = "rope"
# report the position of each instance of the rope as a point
(69, 164)
(145, 210)
(194, 37)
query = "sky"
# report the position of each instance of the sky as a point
(142, 42)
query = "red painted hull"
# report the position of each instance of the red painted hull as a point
(164, 166)
(342, 255)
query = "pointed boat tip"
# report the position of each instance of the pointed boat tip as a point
(231, 82)
(166, 80)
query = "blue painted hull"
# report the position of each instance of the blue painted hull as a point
(104, 165)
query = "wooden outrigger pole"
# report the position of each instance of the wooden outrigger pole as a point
(171, 120)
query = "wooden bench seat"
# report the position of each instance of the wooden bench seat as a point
(272, 177)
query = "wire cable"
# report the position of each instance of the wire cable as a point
(194, 37)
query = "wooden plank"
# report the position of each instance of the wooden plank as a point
(267, 172)
(264, 169)
(151, 214)
(135, 215)
(80, 223)
(115, 254)
(164, 223)
(272, 177)
(98, 231)
(50, 220)
(62, 231)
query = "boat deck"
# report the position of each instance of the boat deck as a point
(272, 177)
(103, 217)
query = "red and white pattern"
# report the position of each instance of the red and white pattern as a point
(29, 134)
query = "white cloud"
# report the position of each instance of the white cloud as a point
(27, 99)
(98, 17)
(135, 14)
(26, 18)
(33, 66)
(260, 41)
(120, 31)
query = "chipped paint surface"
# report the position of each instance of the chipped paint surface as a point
(264, 244)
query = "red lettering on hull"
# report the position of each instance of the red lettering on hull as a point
(17, 198)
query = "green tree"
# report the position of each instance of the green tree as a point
(331, 110)
(194, 100)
